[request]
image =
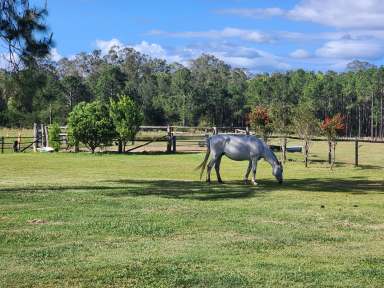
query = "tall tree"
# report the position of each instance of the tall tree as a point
(24, 32)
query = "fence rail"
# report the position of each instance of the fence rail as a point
(184, 137)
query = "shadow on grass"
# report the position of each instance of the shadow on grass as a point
(185, 189)
(196, 190)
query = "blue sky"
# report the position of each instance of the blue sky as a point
(262, 36)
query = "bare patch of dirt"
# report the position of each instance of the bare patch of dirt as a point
(37, 221)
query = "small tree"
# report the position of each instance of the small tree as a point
(259, 120)
(90, 124)
(126, 117)
(331, 127)
(306, 126)
(281, 122)
(54, 136)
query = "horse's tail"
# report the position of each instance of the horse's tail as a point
(204, 163)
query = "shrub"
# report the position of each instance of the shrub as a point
(54, 136)
(90, 124)
(331, 127)
(259, 120)
(126, 117)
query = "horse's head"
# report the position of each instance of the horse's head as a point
(277, 171)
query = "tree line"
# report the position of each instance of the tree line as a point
(207, 92)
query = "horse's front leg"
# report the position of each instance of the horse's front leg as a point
(217, 168)
(254, 167)
(247, 172)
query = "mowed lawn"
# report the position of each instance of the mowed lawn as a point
(82, 220)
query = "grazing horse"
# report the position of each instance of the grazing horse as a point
(239, 148)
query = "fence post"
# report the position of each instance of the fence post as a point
(34, 137)
(247, 130)
(2, 144)
(77, 148)
(42, 135)
(169, 138)
(356, 153)
(214, 130)
(19, 142)
(46, 136)
(173, 144)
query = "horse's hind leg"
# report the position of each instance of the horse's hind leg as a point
(209, 167)
(217, 168)
(254, 167)
(247, 172)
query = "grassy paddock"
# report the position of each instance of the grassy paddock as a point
(73, 220)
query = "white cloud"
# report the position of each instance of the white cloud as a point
(153, 50)
(4, 61)
(105, 46)
(254, 13)
(229, 32)
(250, 58)
(55, 55)
(300, 54)
(340, 13)
(350, 49)
(364, 14)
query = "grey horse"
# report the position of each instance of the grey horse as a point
(239, 148)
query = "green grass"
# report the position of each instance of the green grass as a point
(82, 220)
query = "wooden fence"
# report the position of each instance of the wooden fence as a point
(174, 137)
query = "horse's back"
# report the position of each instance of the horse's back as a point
(237, 147)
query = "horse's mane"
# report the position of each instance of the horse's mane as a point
(272, 153)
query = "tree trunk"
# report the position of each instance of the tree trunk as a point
(120, 147)
(306, 150)
(372, 122)
(359, 122)
(284, 149)
(381, 115)
(334, 154)
(329, 152)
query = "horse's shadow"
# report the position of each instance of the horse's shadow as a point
(237, 189)
(197, 190)
(193, 190)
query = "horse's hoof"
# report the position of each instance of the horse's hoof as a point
(246, 182)
(255, 183)
(220, 182)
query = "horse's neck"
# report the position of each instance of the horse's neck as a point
(270, 157)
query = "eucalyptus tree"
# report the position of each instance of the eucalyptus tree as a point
(306, 125)
(75, 91)
(210, 79)
(182, 93)
(109, 83)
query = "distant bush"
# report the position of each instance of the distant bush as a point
(90, 124)
(54, 136)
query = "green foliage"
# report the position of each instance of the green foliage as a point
(54, 136)
(109, 83)
(126, 117)
(305, 122)
(209, 92)
(23, 31)
(90, 124)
